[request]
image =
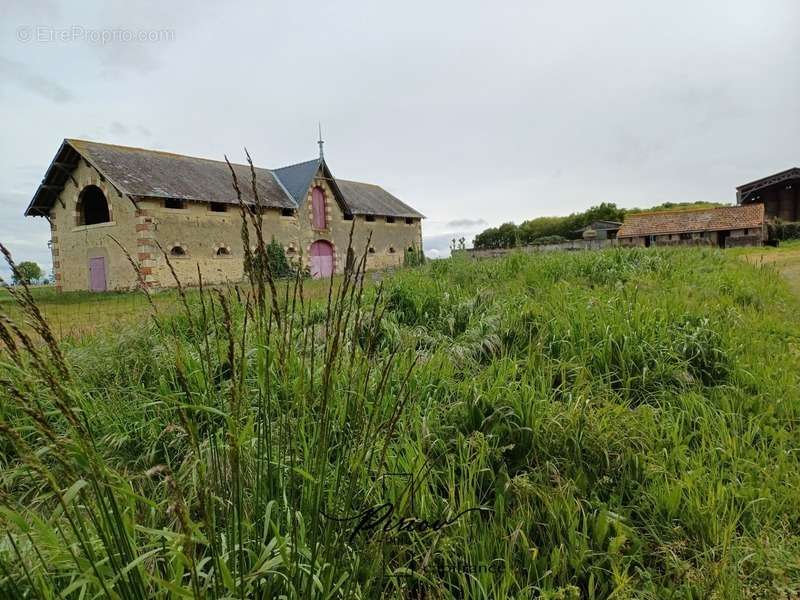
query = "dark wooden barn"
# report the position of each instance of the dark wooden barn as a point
(779, 193)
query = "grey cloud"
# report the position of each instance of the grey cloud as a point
(22, 75)
(25, 237)
(438, 246)
(466, 223)
(522, 110)
(118, 128)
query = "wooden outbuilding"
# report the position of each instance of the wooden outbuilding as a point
(779, 193)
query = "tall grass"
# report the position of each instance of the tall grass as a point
(612, 424)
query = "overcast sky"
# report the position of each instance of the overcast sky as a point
(475, 113)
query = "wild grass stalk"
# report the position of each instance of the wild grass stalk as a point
(610, 424)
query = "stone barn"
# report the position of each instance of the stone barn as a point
(725, 227)
(93, 194)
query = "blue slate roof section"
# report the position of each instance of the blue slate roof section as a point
(297, 178)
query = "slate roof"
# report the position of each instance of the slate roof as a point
(297, 178)
(690, 221)
(369, 199)
(142, 173)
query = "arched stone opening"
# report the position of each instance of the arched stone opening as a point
(92, 206)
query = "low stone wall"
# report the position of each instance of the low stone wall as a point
(570, 245)
(744, 240)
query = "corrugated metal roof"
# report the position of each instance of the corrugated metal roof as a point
(689, 221)
(745, 190)
(145, 173)
(369, 199)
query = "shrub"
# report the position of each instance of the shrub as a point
(276, 259)
(549, 239)
(784, 231)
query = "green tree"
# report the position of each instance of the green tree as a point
(27, 272)
(276, 258)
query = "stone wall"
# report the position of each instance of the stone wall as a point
(736, 237)
(209, 240)
(72, 245)
(570, 245)
(388, 243)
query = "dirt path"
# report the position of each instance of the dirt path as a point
(786, 260)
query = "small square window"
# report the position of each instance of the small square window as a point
(174, 203)
(287, 212)
(390, 219)
(218, 207)
(686, 236)
(370, 218)
(348, 217)
(409, 221)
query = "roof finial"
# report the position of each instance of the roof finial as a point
(320, 142)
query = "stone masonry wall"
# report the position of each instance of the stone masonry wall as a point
(72, 245)
(201, 233)
(397, 236)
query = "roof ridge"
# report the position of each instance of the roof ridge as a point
(359, 182)
(297, 164)
(678, 210)
(163, 152)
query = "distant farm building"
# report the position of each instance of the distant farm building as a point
(93, 194)
(723, 227)
(779, 193)
(600, 230)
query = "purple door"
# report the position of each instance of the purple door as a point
(97, 274)
(321, 259)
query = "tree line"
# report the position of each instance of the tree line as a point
(548, 230)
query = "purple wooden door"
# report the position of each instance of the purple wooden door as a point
(318, 208)
(97, 274)
(321, 259)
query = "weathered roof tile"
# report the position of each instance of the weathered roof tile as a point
(145, 173)
(688, 221)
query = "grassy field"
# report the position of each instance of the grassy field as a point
(74, 316)
(620, 424)
(785, 259)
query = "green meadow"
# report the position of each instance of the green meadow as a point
(615, 424)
